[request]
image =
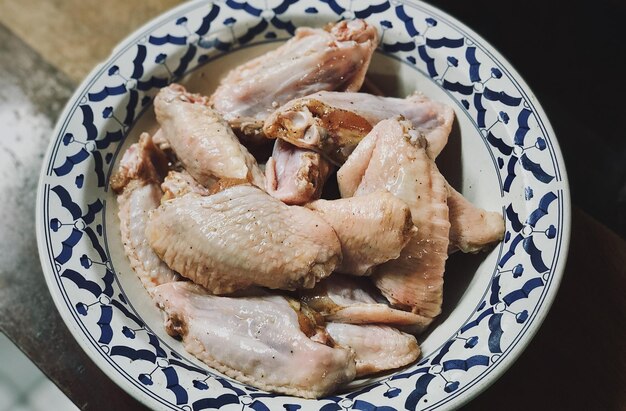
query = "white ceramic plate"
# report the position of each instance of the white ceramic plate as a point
(502, 155)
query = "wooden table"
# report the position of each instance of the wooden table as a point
(578, 358)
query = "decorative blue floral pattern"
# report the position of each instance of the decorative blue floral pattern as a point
(73, 243)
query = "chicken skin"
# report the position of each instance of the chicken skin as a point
(137, 182)
(256, 340)
(335, 58)
(179, 183)
(472, 228)
(334, 123)
(203, 142)
(393, 157)
(372, 229)
(342, 299)
(376, 347)
(242, 237)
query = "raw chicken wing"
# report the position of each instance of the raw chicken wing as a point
(472, 228)
(256, 340)
(241, 237)
(342, 299)
(393, 157)
(203, 142)
(137, 182)
(377, 347)
(333, 123)
(372, 229)
(313, 60)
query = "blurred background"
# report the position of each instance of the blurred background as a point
(571, 54)
(23, 387)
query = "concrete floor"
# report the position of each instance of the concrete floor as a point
(23, 387)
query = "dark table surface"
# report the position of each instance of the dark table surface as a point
(570, 55)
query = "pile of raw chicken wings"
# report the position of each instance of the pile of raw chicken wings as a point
(262, 278)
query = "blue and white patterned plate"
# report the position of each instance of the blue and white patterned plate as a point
(509, 160)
